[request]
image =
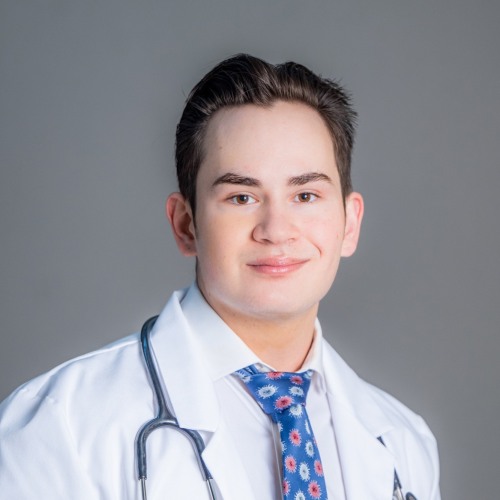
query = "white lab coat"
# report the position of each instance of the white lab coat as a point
(69, 434)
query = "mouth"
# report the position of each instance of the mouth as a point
(277, 265)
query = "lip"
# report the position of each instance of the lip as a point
(277, 265)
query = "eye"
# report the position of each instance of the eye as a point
(242, 199)
(306, 197)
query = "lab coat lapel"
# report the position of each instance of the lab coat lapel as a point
(367, 466)
(191, 393)
(223, 461)
(182, 367)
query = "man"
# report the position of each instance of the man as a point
(267, 208)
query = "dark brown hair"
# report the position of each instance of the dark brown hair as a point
(244, 79)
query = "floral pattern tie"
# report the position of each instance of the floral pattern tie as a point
(282, 396)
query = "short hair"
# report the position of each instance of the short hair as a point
(244, 79)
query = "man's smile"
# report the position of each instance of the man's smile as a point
(277, 265)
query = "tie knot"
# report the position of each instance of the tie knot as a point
(277, 392)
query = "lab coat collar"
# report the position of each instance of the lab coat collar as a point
(223, 350)
(183, 368)
(191, 393)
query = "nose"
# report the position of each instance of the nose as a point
(276, 225)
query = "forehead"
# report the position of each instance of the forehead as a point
(286, 135)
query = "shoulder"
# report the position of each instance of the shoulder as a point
(398, 413)
(68, 419)
(111, 376)
(69, 385)
(79, 371)
(374, 406)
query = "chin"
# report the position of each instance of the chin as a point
(272, 306)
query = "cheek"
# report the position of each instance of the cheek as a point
(326, 233)
(217, 240)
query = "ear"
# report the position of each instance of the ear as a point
(354, 208)
(181, 219)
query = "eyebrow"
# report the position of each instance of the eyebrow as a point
(241, 180)
(298, 180)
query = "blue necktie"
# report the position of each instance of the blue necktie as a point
(282, 396)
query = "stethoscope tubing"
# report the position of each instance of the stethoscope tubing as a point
(164, 418)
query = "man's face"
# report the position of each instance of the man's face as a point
(270, 220)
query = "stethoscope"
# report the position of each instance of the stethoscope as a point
(165, 418)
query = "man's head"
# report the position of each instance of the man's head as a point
(275, 210)
(244, 79)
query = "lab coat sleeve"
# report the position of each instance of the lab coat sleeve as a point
(432, 461)
(38, 456)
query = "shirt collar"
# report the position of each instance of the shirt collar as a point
(224, 351)
(314, 358)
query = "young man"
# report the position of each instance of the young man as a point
(267, 208)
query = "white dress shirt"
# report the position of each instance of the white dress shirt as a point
(252, 429)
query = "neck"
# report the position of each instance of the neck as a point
(282, 343)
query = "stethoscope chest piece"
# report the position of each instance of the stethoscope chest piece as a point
(399, 495)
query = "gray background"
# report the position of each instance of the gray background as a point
(90, 92)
